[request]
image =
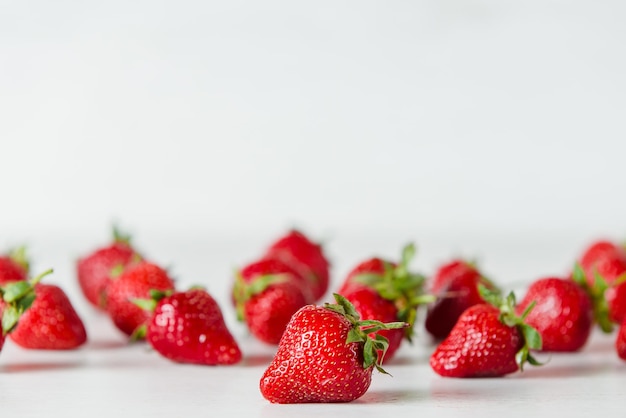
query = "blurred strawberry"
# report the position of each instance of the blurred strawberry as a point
(14, 266)
(96, 269)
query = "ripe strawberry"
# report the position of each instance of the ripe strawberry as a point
(386, 291)
(603, 258)
(135, 282)
(95, 270)
(615, 296)
(597, 289)
(266, 294)
(456, 285)
(370, 305)
(304, 255)
(488, 340)
(620, 342)
(14, 266)
(51, 323)
(16, 298)
(563, 313)
(188, 327)
(325, 355)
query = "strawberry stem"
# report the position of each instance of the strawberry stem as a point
(596, 294)
(18, 297)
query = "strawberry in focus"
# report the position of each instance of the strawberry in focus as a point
(188, 327)
(563, 313)
(325, 355)
(96, 269)
(456, 286)
(135, 282)
(306, 256)
(488, 340)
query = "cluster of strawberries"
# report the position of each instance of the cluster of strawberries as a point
(325, 352)
(556, 314)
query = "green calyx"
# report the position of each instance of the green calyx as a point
(596, 293)
(147, 304)
(19, 255)
(506, 305)
(18, 297)
(243, 291)
(119, 236)
(401, 286)
(361, 332)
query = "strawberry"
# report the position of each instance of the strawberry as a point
(135, 282)
(597, 289)
(563, 313)
(488, 340)
(188, 327)
(14, 266)
(456, 285)
(386, 291)
(370, 305)
(325, 355)
(266, 294)
(620, 342)
(615, 296)
(304, 255)
(604, 258)
(16, 298)
(95, 270)
(51, 323)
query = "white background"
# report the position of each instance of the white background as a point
(491, 129)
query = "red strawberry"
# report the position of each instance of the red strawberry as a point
(14, 266)
(563, 313)
(386, 291)
(486, 341)
(51, 323)
(266, 294)
(95, 270)
(16, 298)
(188, 327)
(620, 342)
(456, 285)
(370, 305)
(135, 282)
(615, 297)
(605, 258)
(306, 256)
(325, 355)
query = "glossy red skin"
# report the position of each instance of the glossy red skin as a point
(620, 341)
(374, 265)
(563, 313)
(11, 271)
(605, 258)
(616, 299)
(449, 271)
(134, 283)
(275, 266)
(313, 363)
(479, 345)
(188, 327)
(51, 322)
(94, 270)
(304, 255)
(458, 293)
(268, 313)
(370, 305)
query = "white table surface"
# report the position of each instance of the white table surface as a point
(109, 377)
